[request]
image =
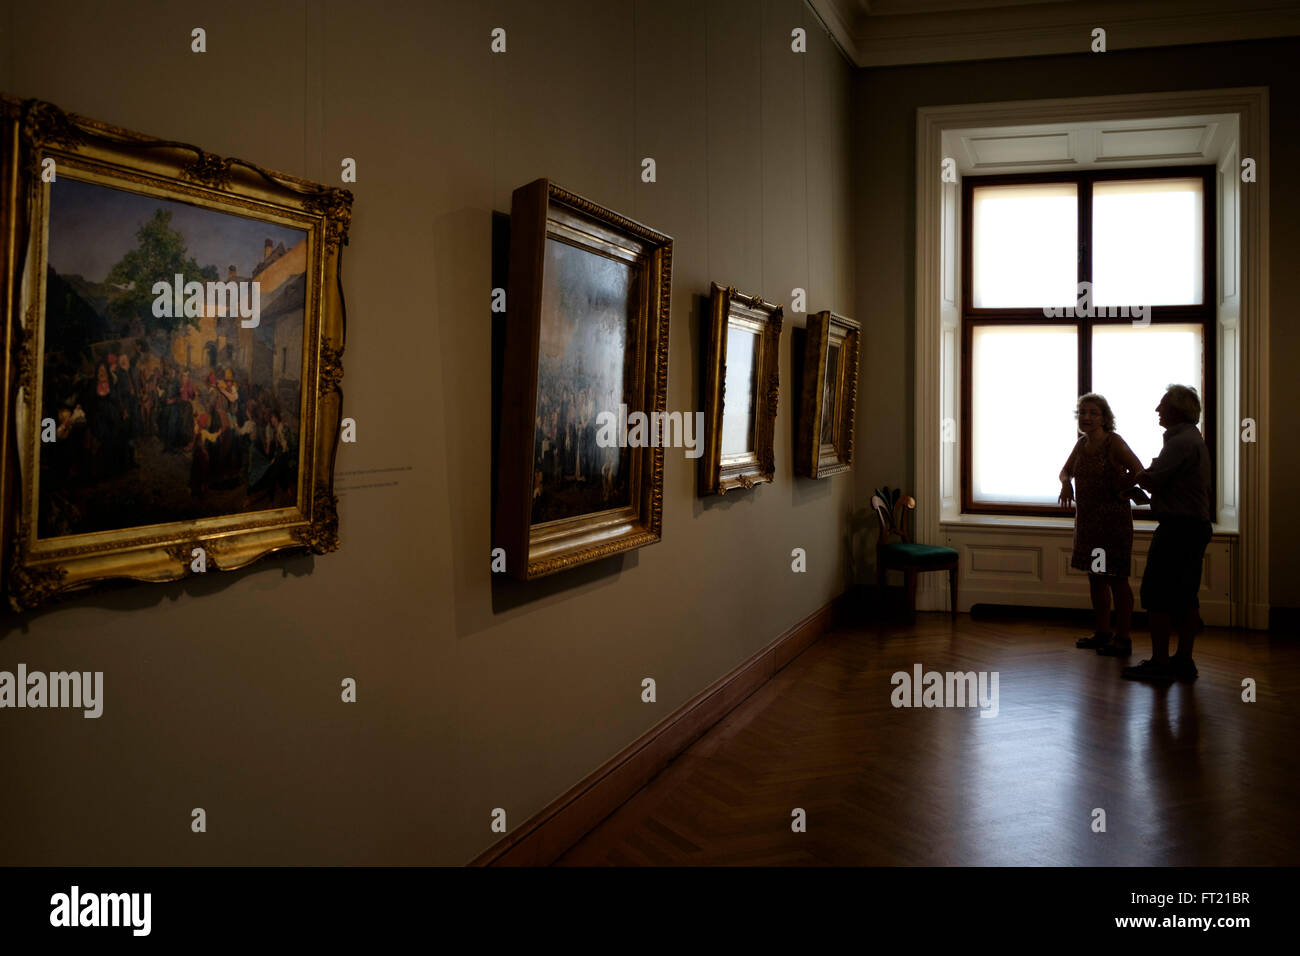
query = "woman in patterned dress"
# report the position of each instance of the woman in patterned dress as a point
(1102, 467)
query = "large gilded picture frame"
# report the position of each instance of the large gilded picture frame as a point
(742, 385)
(173, 333)
(585, 379)
(828, 397)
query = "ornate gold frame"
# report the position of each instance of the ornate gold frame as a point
(542, 210)
(814, 458)
(728, 307)
(35, 570)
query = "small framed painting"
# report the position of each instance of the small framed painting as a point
(580, 473)
(828, 399)
(741, 390)
(173, 325)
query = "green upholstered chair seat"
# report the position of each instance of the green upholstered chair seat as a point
(902, 552)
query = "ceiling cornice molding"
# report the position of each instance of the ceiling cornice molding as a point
(829, 15)
(1046, 29)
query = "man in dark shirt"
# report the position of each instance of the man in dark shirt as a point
(1179, 482)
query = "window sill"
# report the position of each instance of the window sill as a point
(1042, 523)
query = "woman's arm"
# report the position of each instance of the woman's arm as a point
(1130, 467)
(1123, 456)
(1066, 497)
(1067, 470)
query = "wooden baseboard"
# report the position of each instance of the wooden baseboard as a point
(546, 836)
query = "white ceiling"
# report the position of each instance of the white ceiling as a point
(895, 32)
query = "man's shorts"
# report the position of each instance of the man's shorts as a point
(1173, 572)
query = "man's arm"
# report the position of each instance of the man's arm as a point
(1164, 466)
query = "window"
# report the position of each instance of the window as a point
(1072, 283)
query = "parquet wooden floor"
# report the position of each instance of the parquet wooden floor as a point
(1187, 774)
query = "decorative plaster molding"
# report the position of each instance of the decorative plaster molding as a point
(881, 34)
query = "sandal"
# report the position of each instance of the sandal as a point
(1116, 647)
(1096, 640)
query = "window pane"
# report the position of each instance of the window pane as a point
(1024, 246)
(1147, 242)
(1023, 390)
(1132, 367)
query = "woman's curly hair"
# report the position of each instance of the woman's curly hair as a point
(1107, 416)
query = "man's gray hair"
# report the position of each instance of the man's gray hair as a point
(1185, 401)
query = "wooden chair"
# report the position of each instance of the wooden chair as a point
(903, 555)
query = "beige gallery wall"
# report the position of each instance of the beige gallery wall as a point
(223, 692)
(884, 153)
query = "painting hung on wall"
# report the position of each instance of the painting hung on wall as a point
(585, 356)
(175, 330)
(741, 389)
(828, 399)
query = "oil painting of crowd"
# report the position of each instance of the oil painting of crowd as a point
(165, 415)
(584, 368)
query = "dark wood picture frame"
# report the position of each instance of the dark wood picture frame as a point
(542, 214)
(722, 470)
(828, 395)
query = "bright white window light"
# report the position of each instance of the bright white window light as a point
(1024, 388)
(1025, 246)
(1147, 242)
(738, 389)
(1132, 367)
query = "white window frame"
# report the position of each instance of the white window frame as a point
(1033, 546)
